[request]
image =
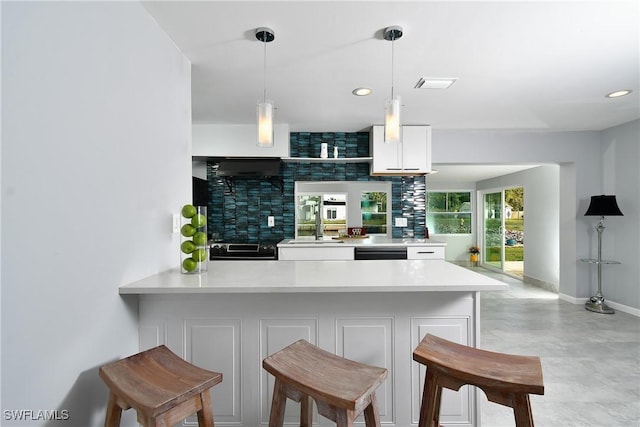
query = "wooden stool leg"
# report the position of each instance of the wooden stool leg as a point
(278, 402)
(114, 412)
(343, 418)
(371, 415)
(205, 415)
(430, 408)
(306, 414)
(522, 410)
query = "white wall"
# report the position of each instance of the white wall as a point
(457, 244)
(590, 163)
(96, 116)
(621, 238)
(577, 153)
(542, 222)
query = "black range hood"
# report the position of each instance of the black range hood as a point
(249, 167)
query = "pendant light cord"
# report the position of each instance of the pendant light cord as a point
(393, 42)
(264, 93)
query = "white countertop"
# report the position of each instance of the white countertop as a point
(229, 277)
(367, 241)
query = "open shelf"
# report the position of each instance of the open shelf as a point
(327, 160)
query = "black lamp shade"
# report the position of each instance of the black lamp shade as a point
(603, 206)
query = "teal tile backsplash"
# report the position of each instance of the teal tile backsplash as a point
(238, 207)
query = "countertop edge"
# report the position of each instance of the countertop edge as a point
(282, 277)
(370, 241)
(312, 290)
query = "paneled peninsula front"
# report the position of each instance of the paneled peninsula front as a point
(376, 312)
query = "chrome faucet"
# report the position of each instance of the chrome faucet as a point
(318, 231)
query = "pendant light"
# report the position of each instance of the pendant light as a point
(265, 107)
(392, 125)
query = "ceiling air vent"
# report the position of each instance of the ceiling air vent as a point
(435, 83)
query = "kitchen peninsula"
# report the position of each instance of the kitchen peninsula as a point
(373, 311)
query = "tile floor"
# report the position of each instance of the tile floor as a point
(590, 361)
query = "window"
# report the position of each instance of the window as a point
(373, 205)
(326, 208)
(324, 214)
(334, 218)
(449, 212)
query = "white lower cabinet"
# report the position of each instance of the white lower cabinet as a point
(425, 252)
(233, 333)
(317, 252)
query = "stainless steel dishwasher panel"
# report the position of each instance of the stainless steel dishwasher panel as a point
(380, 252)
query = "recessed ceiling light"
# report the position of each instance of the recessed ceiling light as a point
(434, 83)
(361, 91)
(618, 93)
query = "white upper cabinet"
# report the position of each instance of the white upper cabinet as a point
(237, 141)
(410, 157)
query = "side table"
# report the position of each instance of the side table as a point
(596, 303)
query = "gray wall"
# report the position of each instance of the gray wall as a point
(96, 155)
(583, 172)
(621, 238)
(542, 221)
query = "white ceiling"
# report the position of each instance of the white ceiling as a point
(537, 65)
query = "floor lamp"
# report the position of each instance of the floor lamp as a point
(601, 206)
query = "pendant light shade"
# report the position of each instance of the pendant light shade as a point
(265, 124)
(392, 128)
(392, 123)
(265, 107)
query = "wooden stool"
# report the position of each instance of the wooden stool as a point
(163, 389)
(341, 388)
(505, 379)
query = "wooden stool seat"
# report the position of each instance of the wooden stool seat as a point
(162, 388)
(342, 388)
(505, 379)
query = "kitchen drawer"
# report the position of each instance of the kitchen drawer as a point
(319, 252)
(425, 252)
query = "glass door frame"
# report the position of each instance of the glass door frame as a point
(482, 219)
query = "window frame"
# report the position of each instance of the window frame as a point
(471, 213)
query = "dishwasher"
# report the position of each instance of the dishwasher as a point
(380, 252)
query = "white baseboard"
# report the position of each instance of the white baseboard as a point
(616, 306)
(541, 284)
(578, 301)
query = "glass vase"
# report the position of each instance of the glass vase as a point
(194, 248)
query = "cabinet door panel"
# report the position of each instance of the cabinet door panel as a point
(411, 156)
(387, 158)
(370, 341)
(149, 336)
(214, 344)
(455, 407)
(416, 150)
(275, 334)
(315, 253)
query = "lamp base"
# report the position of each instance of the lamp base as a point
(597, 305)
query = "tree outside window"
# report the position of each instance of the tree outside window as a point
(449, 212)
(373, 205)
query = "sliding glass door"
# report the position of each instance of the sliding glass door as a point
(493, 230)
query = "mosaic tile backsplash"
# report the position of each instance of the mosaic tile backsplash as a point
(238, 207)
